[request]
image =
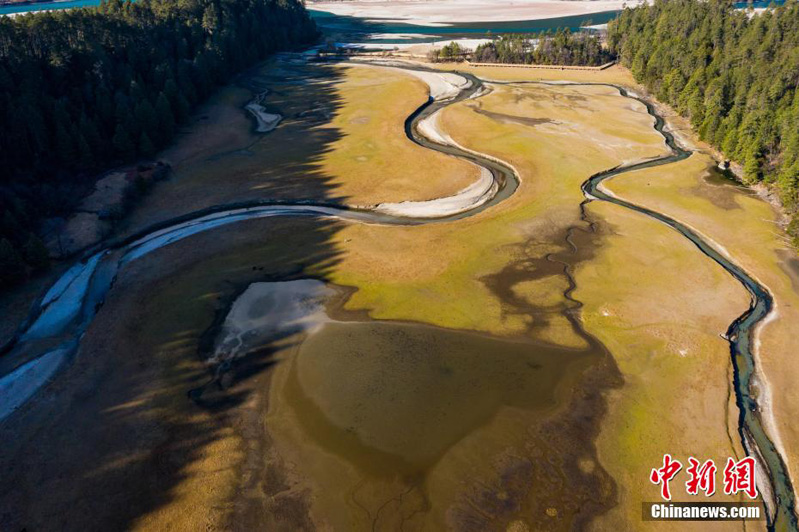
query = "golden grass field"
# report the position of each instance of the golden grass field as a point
(747, 228)
(441, 266)
(640, 291)
(341, 140)
(659, 306)
(655, 302)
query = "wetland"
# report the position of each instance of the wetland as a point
(263, 346)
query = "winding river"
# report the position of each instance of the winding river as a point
(740, 334)
(54, 329)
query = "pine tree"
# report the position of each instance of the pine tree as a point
(82, 89)
(124, 147)
(145, 116)
(146, 148)
(36, 254)
(65, 146)
(12, 267)
(85, 155)
(166, 120)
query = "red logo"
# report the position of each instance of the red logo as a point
(738, 476)
(703, 477)
(664, 475)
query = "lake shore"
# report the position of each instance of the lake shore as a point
(440, 13)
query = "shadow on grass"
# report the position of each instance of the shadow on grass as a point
(115, 439)
(221, 160)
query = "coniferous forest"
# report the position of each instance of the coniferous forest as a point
(82, 90)
(561, 47)
(733, 73)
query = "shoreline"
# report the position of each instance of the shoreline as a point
(445, 12)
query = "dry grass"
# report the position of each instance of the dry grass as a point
(373, 161)
(434, 273)
(659, 306)
(342, 139)
(616, 74)
(649, 295)
(746, 227)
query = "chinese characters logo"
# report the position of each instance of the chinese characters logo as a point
(738, 476)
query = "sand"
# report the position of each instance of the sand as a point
(469, 198)
(20, 385)
(265, 311)
(441, 86)
(451, 11)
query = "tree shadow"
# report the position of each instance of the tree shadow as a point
(221, 159)
(116, 437)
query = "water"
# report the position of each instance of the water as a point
(329, 21)
(361, 29)
(753, 436)
(43, 6)
(69, 306)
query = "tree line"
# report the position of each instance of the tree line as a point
(449, 52)
(84, 89)
(733, 73)
(561, 47)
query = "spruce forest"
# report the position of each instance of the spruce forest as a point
(82, 90)
(561, 47)
(734, 73)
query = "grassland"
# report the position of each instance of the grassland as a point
(341, 140)
(247, 455)
(747, 228)
(659, 306)
(434, 274)
(639, 281)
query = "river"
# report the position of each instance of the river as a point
(68, 308)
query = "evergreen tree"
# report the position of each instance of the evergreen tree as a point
(36, 254)
(81, 89)
(733, 74)
(166, 119)
(12, 268)
(124, 147)
(559, 48)
(146, 148)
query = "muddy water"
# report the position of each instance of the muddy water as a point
(382, 425)
(392, 398)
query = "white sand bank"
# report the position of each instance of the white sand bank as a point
(264, 312)
(266, 121)
(469, 198)
(19, 385)
(454, 11)
(442, 85)
(429, 128)
(64, 301)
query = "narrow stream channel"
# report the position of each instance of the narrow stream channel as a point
(65, 312)
(740, 333)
